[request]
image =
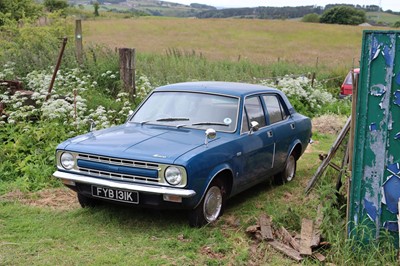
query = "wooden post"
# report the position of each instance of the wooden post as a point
(78, 41)
(127, 66)
(351, 141)
(314, 74)
(60, 55)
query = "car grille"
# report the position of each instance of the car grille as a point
(118, 169)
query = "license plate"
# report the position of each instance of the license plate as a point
(116, 194)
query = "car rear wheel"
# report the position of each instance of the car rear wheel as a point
(289, 172)
(87, 202)
(211, 207)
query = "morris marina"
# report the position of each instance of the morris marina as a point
(188, 146)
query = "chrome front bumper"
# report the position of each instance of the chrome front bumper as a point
(68, 178)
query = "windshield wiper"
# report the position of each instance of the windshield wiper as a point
(172, 119)
(210, 124)
(167, 119)
(203, 124)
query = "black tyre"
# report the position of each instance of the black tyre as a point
(289, 172)
(87, 202)
(212, 205)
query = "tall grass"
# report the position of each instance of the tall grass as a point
(173, 68)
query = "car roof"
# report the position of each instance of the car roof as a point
(219, 87)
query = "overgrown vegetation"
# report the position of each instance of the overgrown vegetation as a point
(29, 133)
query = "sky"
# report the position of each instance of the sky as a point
(394, 5)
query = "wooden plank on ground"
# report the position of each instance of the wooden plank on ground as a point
(265, 226)
(288, 239)
(319, 257)
(252, 229)
(306, 236)
(288, 251)
(317, 232)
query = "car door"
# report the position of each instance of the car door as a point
(257, 147)
(282, 125)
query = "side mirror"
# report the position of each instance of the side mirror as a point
(255, 126)
(210, 134)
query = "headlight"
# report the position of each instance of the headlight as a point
(67, 160)
(173, 175)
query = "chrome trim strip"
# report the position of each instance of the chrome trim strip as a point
(273, 157)
(117, 161)
(184, 193)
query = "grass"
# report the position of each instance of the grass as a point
(259, 41)
(119, 235)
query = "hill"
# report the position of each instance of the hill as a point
(149, 7)
(171, 9)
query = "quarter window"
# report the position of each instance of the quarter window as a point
(275, 109)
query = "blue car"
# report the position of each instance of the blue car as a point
(188, 146)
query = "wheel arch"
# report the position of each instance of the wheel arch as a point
(223, 172)
(297, 150)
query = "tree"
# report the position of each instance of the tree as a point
(53, 5)
(96, 6)
(397, 24)
(343, 15)
(313, 18)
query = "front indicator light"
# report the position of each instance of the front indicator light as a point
(172, 198)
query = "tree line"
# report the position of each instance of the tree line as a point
(332, 13)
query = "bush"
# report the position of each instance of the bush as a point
(308, 100)
(343, 15)
(33, 131)
(32, 47)
(313, 18)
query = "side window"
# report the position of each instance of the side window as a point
(253, 112)
(275, 109)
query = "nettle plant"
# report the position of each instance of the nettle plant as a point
(307, 99)
(67, 103)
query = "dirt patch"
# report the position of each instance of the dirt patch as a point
(55, 198)
(328, 124)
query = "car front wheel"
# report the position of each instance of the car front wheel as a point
(211, 206)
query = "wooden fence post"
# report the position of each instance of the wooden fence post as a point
(127, 66)
(78, 41)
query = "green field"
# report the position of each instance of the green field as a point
(259, 41)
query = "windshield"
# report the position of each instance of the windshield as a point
(189, 109)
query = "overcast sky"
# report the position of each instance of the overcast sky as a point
(394, 5)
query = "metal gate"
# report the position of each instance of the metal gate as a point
(375, 182)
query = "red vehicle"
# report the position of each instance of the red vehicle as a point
(346, 89)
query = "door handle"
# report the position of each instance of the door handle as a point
(270, 134)
(292, 126)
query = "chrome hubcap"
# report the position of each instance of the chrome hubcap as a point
(212, 204)
(290, 168)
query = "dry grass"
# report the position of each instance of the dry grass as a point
(329, 124)
(55, 198)
(260, 41)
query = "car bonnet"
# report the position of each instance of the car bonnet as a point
(138, 142)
